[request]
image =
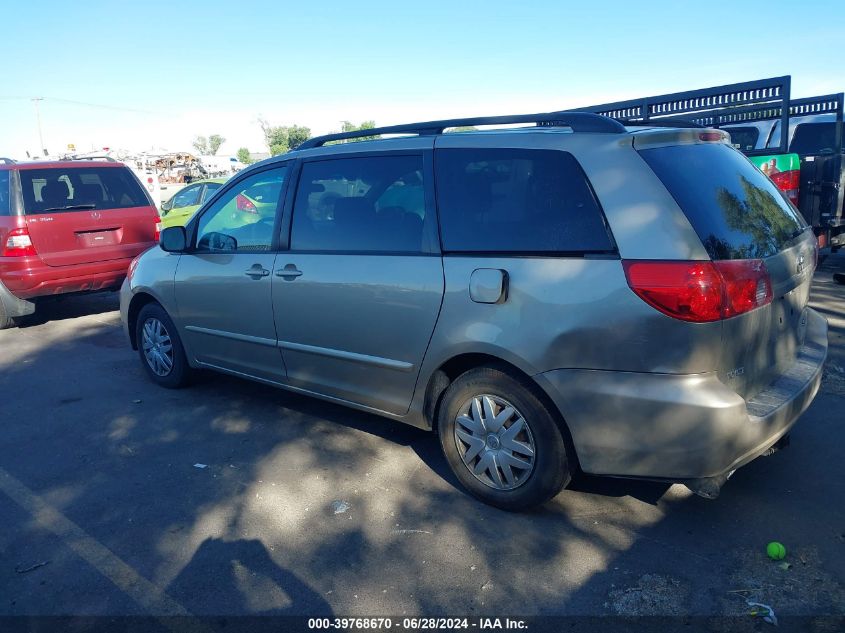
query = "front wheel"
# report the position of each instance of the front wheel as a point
(501, 441)
(160, 348)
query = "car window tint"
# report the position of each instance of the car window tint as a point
(737, 212)
(516, 201)
(372, 204)
(814, 138)
(80, 188)
(189, 196)
(743, 138)
(246, 212)
(5, 199)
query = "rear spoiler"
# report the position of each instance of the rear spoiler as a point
(731, 104)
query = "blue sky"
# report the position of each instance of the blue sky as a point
(169, 71)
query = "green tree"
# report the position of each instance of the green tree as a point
(348, 126)
(201, 145)
(243, 156)
(214, 143)
(283, 138)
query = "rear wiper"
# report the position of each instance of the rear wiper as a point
(70, 207)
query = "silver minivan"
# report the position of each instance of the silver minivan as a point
(575, 294)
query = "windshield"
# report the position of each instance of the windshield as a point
(80, 188)
(736, 211)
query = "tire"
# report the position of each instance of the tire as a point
(471, 398)
(165, 363)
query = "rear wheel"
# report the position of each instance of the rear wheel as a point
(160, 348)
(501, 441)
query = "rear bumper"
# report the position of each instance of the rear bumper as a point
(679, 427)
(32, 278)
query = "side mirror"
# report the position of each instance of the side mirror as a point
(173, 239)
(167, 206)
(218, 243)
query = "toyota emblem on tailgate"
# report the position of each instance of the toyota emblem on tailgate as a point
(96, 216)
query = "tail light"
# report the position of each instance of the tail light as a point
(245, 204)
(157, 233)
(18, 244)
(701, 291)
(788, 182)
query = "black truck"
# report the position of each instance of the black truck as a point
(807, 161)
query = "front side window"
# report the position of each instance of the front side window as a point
(5, 198)
(372, 204)
(79, 189)
(189, 196)
(517, 201)
(243, 218)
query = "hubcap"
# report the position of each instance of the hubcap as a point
(495, 442)
(157, 346)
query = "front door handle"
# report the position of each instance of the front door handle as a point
(289, 272)
(257, 271)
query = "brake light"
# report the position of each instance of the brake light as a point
(788, 182)
(710, 137)
(701, 291)
(157, 233)
(245, 204)
(18, 244)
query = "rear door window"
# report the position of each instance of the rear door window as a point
(814, 138)
(79, 189)
(737, 212)
(5, 198)
(370, 204)
(517, 201)
(743, 138)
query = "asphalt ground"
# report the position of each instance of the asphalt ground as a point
(307, 508)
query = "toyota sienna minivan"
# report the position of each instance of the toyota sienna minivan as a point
(574, 294)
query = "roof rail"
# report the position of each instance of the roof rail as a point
(680, 123)
(577, 121)
(7, 161)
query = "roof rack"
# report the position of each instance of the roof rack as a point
(679, 123)
(763, 99)
(7, 161)
(577, 121)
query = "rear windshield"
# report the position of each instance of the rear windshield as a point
(743, 138)
(5, 200)
(80, 189)
(814, 138)
(736, 211)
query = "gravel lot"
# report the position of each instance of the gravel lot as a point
(311, 509)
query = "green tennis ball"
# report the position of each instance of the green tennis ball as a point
(776, 551)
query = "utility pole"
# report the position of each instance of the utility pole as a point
(35, 101)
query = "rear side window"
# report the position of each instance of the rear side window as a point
(743, 138)
(737, 212)
(372, 204)
(517, 201)
(814, 138)
(80, 189)
(5, 198)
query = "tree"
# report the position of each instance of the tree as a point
(283, 138)
(208, 146)
(348, 126)
(243, 156)
(214, 143)
(201, 145)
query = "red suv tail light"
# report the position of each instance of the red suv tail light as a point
(18, 244)
(788, 182)
(701, 291)
(245, 204)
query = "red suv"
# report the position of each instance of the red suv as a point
(68, 227)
